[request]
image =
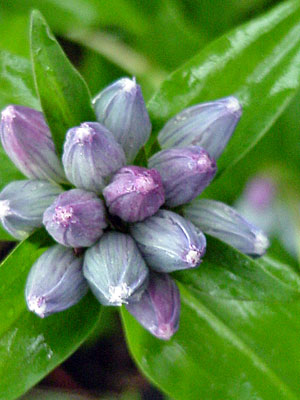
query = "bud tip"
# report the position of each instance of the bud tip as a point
(4, 208)
(37, 304)
(234, 105)
(261, 243)
(119, 294)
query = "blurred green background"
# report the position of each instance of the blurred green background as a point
(149, 39)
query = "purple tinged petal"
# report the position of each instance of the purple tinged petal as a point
(22, 204)
(169, 242)
(76, 218)
(135, 193)
(209, 125)
(121, 108)
(27, 141)
(91, 155)
(223, 222)
(55, 282)
(185, 172)
(158, 310)
(115, 269)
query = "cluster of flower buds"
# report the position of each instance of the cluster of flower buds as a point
(114, 235)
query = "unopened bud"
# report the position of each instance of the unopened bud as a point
(135, 193)
(209, 125)
(223, 222)
(55, 282)
(121, 108)
(27, 141)
(76, 218)
(169, 242)
(22, 204)
(185, 173)
(115, 269)
(158, 310)
(91, 155)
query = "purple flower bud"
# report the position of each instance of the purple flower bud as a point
(55, 282)
(223, 222)
(209, 125)
(22, 204)
(185, 173)
(121, 108)
(260, 193)
(91, 155)
(115, 269)
(135, 193)
(76, 218)
(169, 242)
(159, 307)
(27, 141)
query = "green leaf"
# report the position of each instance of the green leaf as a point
(64, 95)
(238, 336)
(258, 62)
(30, 347)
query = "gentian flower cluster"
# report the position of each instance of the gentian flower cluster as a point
(115, 231)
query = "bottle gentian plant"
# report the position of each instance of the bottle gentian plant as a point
(113, 220)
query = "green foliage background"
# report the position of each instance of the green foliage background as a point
(240, 328)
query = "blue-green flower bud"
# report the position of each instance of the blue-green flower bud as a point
(209, 125)
(121, 108)
(91, 155)
(55, 282)
(185, 173)
(27, 141)
(169, 242)
(115, 269)
(22, 204)
(159, 307)
(76, 218)
(223, 222)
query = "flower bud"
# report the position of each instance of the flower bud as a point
(22, 204)
(258, 204)
(169, 242)
(135, 193)
(55, 282)
(121, 108)
(159, 307)
(223, 222)
(76, 218)
(91, 155)
(27, 141)
(209, 125)
(115, 269)
(185, 173)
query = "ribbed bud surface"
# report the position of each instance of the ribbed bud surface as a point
(22, 204)
(135, 193)
(121, 108)
(169, 242)
(185, 172)
(76, 218)
(209, 125)
(55, 282)
(91, 155)
(115, 269)
(159, 307)
(223, 222)
(27, 141)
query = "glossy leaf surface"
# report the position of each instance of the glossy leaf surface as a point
(238, 336)
(64, 95)
(258, 62)
(30, 347)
